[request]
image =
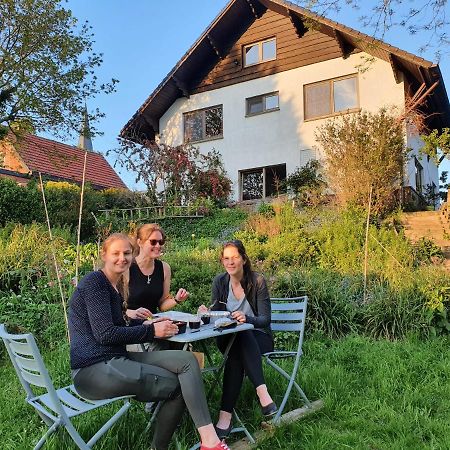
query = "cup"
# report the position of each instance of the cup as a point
(206, 319)
(194, 324)
(181, 327)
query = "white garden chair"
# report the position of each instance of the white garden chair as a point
(56, 407)
(288, 315)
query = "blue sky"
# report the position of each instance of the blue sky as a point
(142, 40)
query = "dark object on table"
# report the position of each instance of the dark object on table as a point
(194, 324)
(224, 323)
(181, 327)
(206, 319)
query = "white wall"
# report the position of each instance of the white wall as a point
(280, 136)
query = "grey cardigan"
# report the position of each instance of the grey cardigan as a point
(260, 301)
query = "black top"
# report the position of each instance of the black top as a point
(146, 291)
(259, 300)
(97, 329)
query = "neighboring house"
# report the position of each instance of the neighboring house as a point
(56, 161)
(260, 80)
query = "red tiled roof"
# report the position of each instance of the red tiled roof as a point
(66, 162)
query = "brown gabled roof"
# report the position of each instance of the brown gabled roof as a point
(65, 162)
(232, 22)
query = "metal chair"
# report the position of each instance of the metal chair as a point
(288, 315)
(57, 406)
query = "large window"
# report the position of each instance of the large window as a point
(262, 103)
(262, 182)
(203, 124)
(260, 51)
(331, 97)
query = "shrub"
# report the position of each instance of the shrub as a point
(26, 256)
(364, 151)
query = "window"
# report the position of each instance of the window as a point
(262, 103)
(331, 97)
(203, 124)
(418, 175)
(262, 182)
(260, 51)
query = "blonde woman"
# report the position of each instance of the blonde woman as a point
(149, 276)
(101, 366)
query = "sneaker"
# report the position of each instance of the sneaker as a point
(220, 446)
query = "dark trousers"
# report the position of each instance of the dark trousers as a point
(244, 358)
(173, 376)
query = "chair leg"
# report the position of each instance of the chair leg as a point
(81, 444)
(109, 424)
(153, 416)
(242, 428)
(292, 382)
(49, 432)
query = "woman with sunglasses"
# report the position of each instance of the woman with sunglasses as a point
(244, 293)
(149, 276)
(103, 368)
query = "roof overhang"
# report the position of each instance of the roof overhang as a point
(217, 39)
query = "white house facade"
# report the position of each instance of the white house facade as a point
(260, 102)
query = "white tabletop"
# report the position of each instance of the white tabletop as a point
(206, 332)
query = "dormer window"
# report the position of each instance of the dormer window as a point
(260, 52)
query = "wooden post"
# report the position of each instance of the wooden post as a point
(58, 276)
(77, 262)
(366, 249)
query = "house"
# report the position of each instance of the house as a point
(265, 74)
(56, 161)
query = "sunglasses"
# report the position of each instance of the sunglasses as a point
(153, 242)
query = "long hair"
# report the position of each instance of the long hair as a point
(143, 233)
(247, 279)
(124, 279)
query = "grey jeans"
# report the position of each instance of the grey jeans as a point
(170, 375)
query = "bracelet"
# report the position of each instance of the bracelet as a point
(178, 302)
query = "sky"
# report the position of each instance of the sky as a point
(142, 40)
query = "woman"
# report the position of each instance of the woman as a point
(101, 366)
(244, 293)
(150, 277)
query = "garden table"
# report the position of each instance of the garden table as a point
(200, 335)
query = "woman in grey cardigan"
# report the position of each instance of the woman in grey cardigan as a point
(244, 293)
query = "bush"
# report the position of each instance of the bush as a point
(364, 151)
(26, 256)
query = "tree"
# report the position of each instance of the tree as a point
(427, 18)
(437, 144)
(364, 151)
(175, 175)
(47, 68)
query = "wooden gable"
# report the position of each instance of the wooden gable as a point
(296, 46)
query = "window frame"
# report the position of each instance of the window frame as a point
(263, 169)
(331, 82)
(203, 112)
(260, 51)
(263, 98)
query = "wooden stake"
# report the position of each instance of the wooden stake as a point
(58, 274)
(366, 249)
(77, 262)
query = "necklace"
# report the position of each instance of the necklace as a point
(149, 279)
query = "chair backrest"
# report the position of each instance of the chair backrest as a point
(27, 362)
(289, 315)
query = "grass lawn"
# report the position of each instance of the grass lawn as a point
(377, 395)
